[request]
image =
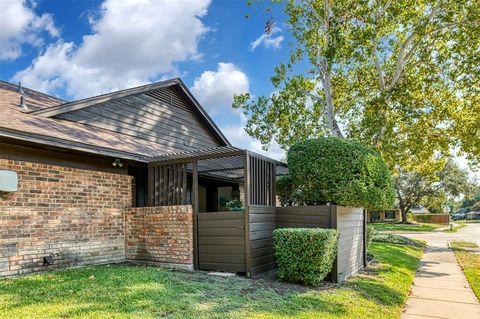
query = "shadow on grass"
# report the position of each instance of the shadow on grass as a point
(125, 291)
(148, 292)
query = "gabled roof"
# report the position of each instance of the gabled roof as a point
(39, 126)
(80, 104)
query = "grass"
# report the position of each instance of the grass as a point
(122, 291)
(399, 240)
(454, 229)
(469, 261)
(413, 227)
(472, 221)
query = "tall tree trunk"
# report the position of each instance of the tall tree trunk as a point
(403, 209)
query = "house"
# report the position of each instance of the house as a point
(473, 216)
(393, 215)
(141, 174)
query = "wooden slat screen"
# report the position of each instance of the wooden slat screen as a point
(169, 185)
(262, 182)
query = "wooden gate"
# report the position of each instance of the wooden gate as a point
(221, 241)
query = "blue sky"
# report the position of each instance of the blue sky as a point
(76, 49)
(82, 48)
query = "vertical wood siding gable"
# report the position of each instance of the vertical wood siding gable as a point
(161, 116)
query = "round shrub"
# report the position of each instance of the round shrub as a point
(305, 255)
(336, 171)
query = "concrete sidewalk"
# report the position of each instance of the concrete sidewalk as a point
(440, 289)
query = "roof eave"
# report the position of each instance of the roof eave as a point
(71, 145)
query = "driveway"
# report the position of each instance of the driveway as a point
(440, 289)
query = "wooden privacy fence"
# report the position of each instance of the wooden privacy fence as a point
(432, 218)
(242, 241)
(350, 222)
(221, 241)
(223, 245)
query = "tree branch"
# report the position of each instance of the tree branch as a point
(376, 60)
(383, 9)
(314, 11)
(401, 54)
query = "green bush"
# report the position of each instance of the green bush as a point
(305, 255)
(285, 190)
(235, 205)
(370, 234)
(337, 171)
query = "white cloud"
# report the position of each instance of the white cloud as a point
(463, 163)
(132, 43)
(269, 41)
(19, 25)
(239, 138)
(215, 89)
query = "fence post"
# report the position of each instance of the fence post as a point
(333, 225)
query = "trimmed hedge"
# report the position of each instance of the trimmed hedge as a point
(305, 255)
(336, 171)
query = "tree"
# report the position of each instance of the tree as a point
(412, 187)
(402, 78)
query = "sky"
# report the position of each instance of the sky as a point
(82, 48)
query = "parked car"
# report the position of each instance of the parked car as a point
(459, 216)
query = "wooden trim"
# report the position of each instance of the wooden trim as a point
(195, 212)
(365, 241)
(69, 145)
(246, 172)
(150, 186)
(274, 185)
(333, 225)
(190, 158)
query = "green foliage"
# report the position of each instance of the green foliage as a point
(433, 190)
(370, 234)
(305, 255)
(475, 207)
(234, 205)
(285, 190)
(337, 171)
(409, 217)
(400, 77)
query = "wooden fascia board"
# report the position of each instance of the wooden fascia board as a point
(80, 104)
(71, 145)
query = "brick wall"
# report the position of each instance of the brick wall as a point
(78, 214)
(160, 234)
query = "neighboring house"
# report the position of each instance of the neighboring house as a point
(141, 174)
(393, 215)
(419, 210)
(473, 215)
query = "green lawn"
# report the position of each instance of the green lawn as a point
(417, 227)
(123, 291)
(469, 262)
